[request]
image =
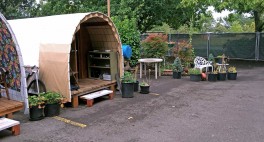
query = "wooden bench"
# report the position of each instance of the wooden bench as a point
(6, 123)
(90, 97)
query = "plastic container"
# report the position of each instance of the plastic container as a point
(127, 51)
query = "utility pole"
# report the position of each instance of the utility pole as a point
(108, 8)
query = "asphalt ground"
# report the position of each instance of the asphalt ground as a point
(176, 110)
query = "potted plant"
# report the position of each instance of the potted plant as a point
(221, 59)
(232, 73)
(53, 102)
(177, 68)
(127, 85)
(195, 74)
(221, 74)
(144, 87)
(212, 76)
(36, 107)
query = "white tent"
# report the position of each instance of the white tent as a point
(52, 39)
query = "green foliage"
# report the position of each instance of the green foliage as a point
(194, 71)
(255, 8)
(36, 101)
(211, 58)
(232, 69)
(127, 77)
(183, 49)
(154, 46)
(143, 83)
(177, 66)
(52, 97)
(129, 35)
(14, 9)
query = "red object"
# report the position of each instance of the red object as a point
(203, 76)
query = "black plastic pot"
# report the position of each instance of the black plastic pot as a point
(36, 113)
(127, 90)
(212, 77)
(176, 75)
(136, 86)
(144, 89)
(231, 76)
(221, 76)
(52, 110)
(195, 77)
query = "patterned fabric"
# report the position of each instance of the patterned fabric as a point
(9, 58)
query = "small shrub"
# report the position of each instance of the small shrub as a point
(154, 46)
(194, 71)
(177, 66)
(232, 69)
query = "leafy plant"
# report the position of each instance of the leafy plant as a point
(194, 71)
(211, 58)
(154, 46)
(127, 77)
(143, 83)
(36, 101)
(52, 97)
(183, 49)
(177, 66)
(129, 35)
(232, 69)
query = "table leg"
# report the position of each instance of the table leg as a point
(145, 68)
(140, 70)
(159, 69)
(156, 70)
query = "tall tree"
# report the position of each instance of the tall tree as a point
(253, 7)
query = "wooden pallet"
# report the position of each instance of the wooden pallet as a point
(6, 123)
(8, 107)
(91, 85)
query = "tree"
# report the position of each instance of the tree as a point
(14, 9)
(253, 7)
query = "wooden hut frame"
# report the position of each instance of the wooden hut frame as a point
(63, 43)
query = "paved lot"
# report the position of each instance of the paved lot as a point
(175, 111)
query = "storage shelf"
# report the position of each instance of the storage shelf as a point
(99, 67)
(100, 58)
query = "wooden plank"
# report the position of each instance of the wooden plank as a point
(7, 107)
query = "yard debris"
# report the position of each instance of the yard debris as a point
(130, 118)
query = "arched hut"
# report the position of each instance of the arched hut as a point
(11, 60)
(81, 47)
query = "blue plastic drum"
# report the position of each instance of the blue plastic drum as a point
(127, 51)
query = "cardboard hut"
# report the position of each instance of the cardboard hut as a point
(82, 49)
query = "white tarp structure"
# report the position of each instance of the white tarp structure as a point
(48, 42)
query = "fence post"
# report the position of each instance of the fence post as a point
(257, 46)
(208, 44)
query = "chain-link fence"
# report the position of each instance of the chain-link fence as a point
(246, 46)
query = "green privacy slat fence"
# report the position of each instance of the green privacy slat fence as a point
(247, 46)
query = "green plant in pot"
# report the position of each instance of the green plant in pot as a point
(221, 73)
(145, 85)
(127, 85)
(177, 68)
(53, 103)
(212, 76)
(195, 74)
(232, 73)
(36, 107)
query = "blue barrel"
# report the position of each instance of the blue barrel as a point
(127, 51)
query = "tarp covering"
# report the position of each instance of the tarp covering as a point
(11, 60)
(55, 60)
(80, 32)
